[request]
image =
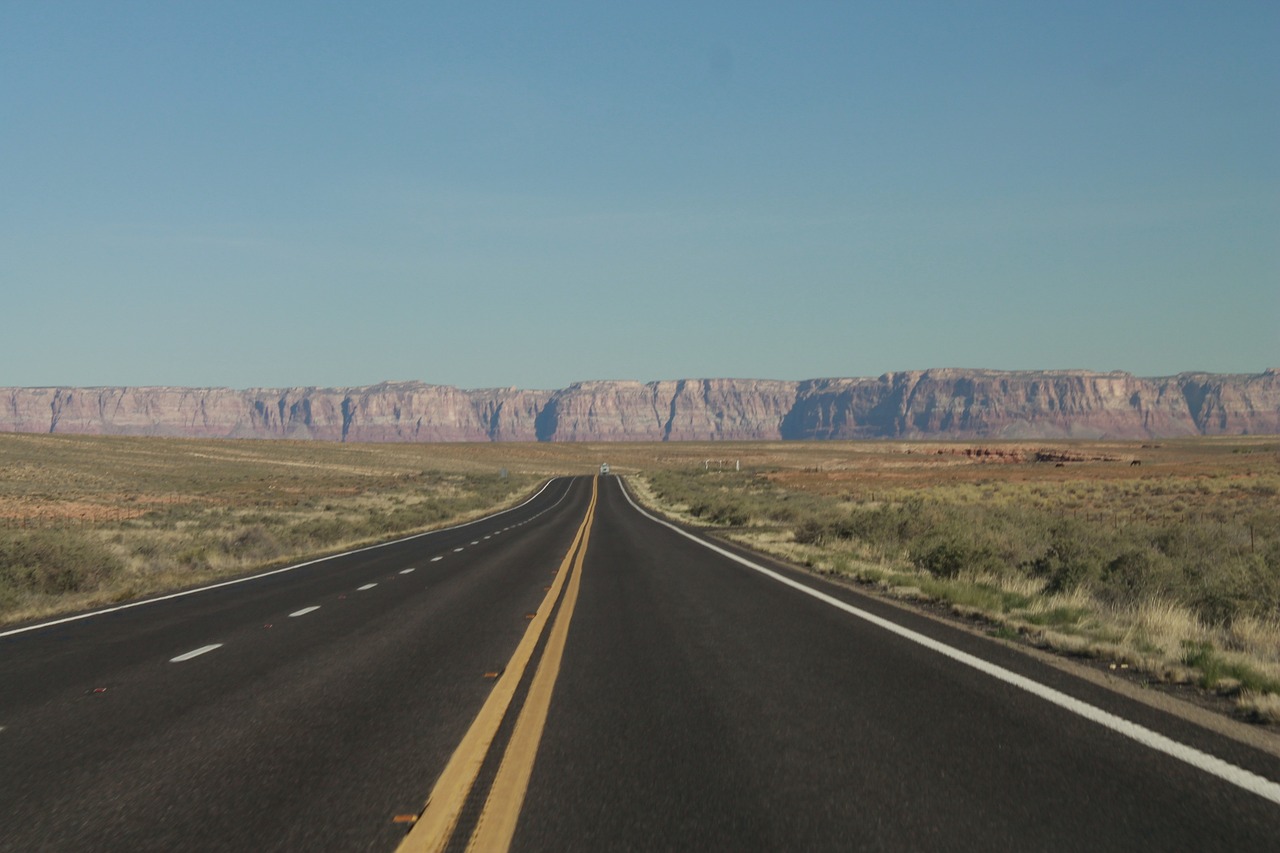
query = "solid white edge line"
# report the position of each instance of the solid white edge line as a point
(195, 653)
(186, 592)
(304, 611)
(1238, 776)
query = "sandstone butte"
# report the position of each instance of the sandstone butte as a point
(933, 404)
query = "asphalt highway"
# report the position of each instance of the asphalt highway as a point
(575, 675)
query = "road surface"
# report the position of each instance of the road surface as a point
(575, 675)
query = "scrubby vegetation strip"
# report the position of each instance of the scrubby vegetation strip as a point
(93, 521)
(1174, 576)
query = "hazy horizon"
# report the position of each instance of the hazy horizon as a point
(621, 379)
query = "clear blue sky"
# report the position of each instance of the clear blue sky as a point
(480, 194)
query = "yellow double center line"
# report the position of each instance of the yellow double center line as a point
(497, 824)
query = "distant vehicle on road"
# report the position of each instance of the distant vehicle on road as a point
(604, 468)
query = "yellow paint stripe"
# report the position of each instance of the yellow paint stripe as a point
(436, 824)
(497, 825)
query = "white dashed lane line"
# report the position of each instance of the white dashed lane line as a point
(436, 559)
(304, 611)
(406, 571)
(456, 550)
(366, 586)
(195, 653)
(477, 542)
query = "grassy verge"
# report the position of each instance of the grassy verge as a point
(88, 521)
(1172, 570)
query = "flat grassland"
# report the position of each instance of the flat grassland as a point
(1161, 557)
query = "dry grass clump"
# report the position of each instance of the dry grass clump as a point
(1261, 707)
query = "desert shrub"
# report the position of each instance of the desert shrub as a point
(816, 531)
(194, 555)
(719, 512)
(318, 531)
(947, 555)
(1136, 575)
(1185, 541)
(723, 497)
(728, 514)
(1226, 589)
(942, 558)
(1072, 558)
(254, 543)
(52, 562)
(779, 512)
(890, 526)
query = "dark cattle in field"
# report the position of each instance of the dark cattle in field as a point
(1135, 462)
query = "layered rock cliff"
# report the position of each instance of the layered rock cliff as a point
(960, 404)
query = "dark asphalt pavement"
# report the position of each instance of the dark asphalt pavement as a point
(700, 705)
(311, 734)
(704, 706)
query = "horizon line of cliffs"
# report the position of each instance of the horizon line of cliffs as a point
(948, 403)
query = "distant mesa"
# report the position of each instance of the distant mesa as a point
(942, 403)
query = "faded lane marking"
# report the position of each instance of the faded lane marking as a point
(195, 653)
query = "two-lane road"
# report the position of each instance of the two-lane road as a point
(705, 705)
(335, 693)
(590, 679)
